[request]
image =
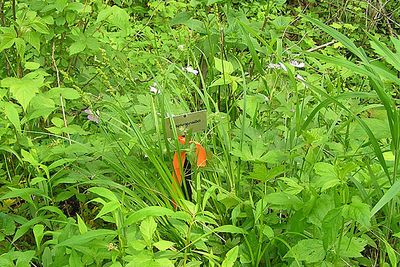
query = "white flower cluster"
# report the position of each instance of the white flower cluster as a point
(294, 63)
(190, 69)
(154, 90)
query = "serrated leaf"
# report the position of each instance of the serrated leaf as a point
(231, 257)
(351, 247)
(23, 90)
(328, 176)
(358, 211)
(308, 250)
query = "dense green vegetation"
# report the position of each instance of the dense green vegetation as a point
(302, 141)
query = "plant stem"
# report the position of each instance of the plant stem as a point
(58, 85)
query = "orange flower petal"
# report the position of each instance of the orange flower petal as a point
(201, 155)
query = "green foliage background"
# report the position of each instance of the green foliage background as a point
(303, 136)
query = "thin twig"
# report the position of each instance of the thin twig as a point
(321, 46)
(58, 85)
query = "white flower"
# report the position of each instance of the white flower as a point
(190, 70)
(283, 66)
(154, 90)
(300, 78)
(181, 47)
(279, 66)
(297, 64)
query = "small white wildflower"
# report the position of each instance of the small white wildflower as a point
(283, 66)
(181, 47)
(154, 89)
(191, 70)
(274, 66)
(279, 66)
(300, 78)
(297, 64)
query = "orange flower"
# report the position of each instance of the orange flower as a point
(201, 161)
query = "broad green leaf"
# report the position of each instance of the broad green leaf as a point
(146, 212)
(391, 253)
(223, 66)
(20, 47)
(21, 192)
(163, 245)
(231, 257)
(33, 38)
(331, 225)
(65, 92)
(37, 180)
(59, 123)
(40, 26)
(32, 65)
(86, 237)
(229, 229)
(12, 115)
(107, 208)
(283, 200)
(147, 229)
(358, 212)
(75, 259)
(7, 37)
(104, 192)
(77, 47)
(351, 247)
(116, 16)
(38, 233)
(28, 157)
(25, 227)
(7, 224)
(24, 258)
(308, 250)
(81, 225)
(23, 90)
(328, 176)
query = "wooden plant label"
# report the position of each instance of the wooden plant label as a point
(194, 122)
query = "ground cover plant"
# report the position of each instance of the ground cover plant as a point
(302, 141)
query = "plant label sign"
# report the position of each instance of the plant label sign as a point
(188, 122)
